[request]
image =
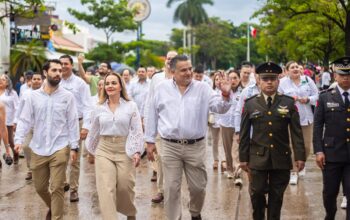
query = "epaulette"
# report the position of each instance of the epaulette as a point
(328, 90)
(256, 95)
(156, 73)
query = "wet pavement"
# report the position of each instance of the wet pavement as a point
(18, 199)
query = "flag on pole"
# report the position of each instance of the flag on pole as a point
(253, 31)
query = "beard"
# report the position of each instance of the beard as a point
(53, 82)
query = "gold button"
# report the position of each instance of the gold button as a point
(257, 153)
(270, 134)
(332, 109)
(348, 119)
(271, 146)
(287, 152)
(348, 129)
(348, 109)
(325, 145)
(347, 139)
(283, 116)
(269, 113)
(270, 123)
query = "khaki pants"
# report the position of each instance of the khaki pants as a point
(307, 135)
(215, 136)
(75, 166)
(115, 178)
(50, 172)
(26, 149)
(179, 158)
(230, 147)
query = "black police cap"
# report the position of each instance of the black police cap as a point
(268, 68)
(342, 65)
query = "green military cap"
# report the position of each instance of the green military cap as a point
(342, 65)
(268, 69)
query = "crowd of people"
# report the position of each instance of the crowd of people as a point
(269, 118)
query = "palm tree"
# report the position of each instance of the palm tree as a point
(26, 57)
(191, 13)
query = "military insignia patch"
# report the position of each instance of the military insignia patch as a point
(332, 104)
(283, 110)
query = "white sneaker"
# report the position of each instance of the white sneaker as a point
(302, 173)
(238, 181)
(293, 178)
(344, 203)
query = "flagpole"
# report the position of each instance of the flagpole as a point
(248, 43)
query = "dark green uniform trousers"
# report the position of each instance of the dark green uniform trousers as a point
(272, 182)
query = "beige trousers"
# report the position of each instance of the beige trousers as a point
(50, 172)
(215, 136)
(74, 173)
(179, 158)
(115, 178)
(230, 147)
(26, 149)
(307, 135)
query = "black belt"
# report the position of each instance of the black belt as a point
(184, 141)
(80, 119)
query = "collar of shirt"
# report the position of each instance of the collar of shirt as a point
(266, 96)
(41, 89)
(342, 91)
(188, 86)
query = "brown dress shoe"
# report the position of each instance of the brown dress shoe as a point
(48, 215)
(74, 197)
(154, 177)
(15, 158)
(29, 176)
(131, 218)
(158, 198)
(198, 217)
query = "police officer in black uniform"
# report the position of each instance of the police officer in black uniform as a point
(264, 149)
(331, 138)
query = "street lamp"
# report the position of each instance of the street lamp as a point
(142, 10)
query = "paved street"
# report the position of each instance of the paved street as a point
(18, 199)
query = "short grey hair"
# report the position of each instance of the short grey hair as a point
(176, 59)
(9, 83)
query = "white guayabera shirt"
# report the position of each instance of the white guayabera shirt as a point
(124, 122)
(54, 120)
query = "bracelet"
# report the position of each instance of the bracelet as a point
(225, 95)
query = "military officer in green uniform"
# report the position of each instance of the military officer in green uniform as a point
(264, 149)
(332, 138)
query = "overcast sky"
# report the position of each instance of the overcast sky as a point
(159, 24)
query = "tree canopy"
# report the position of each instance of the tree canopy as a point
(106, 15)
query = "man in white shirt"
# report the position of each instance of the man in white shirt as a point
(28, 82)
(81, 93)
(158, 78)
(36, 82)
(139, 89)
(52, 113)
(178, 111)
(326, 78)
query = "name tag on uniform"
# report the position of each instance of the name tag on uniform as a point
(332, 104)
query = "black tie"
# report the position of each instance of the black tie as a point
(346, 96)
(269, 101)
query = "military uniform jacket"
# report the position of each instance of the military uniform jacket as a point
(264, 136)
(332, 127)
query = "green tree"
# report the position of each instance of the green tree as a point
(25, 8)
(107, 52)
(26, 57)
(332, 12)
(191, 13)
(107, 15)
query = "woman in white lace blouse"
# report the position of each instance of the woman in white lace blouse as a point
(116, 139)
